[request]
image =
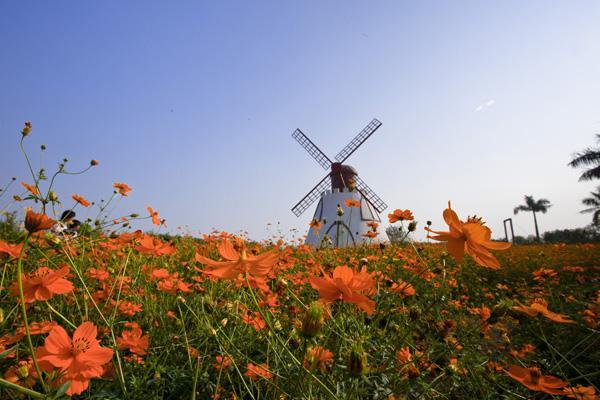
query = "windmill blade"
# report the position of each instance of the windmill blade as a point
(369, 195)
(312, 149)
(313, 195)
(358, 140)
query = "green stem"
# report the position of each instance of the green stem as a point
(19, 388)
(55, 311)
(24, 311)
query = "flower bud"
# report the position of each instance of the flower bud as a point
(412, 226)
(357, 362)
(23, 371)
(26, 129)
(93, 163)
(340, 210)
(313, 320)
(43, 147)
(52, 196)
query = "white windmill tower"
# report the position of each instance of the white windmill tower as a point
(340, 184)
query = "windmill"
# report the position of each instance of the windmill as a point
(340, 184)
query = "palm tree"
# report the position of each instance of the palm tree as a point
(541, 205)
(593, 203)
(588, 157)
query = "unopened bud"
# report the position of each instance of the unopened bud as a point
(43, 147)
(412, 226)
(340, 210)
(26, 129)
(93, 163)
(313, 320)
(52, 196)
(357, 361)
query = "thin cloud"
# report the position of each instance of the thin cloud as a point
(487, 104)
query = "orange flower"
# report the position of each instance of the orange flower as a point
(134, 341)
(318, 358)
(373, 225)
(258, 371)
(348, 286)
(37, 222)
(10, 250)
(152, 245)
(129, 308)
(400, 215)
(222, 362)
(122, 188)
(540, 306)
(471, 237)
(533, 379)
(404, 289)
(43, 284)
(81, 200)
(371, 234)
(80, 359)
(32, 189)
(580, 392)
(315, 224)
(154, 215)
(238, 262)
(352, 203)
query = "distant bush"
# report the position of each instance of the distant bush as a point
(588, 234)
(9, 227)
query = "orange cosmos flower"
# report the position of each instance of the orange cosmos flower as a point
(318, 358)
(540, 306)
(370, 234)
(258, 371)
(352, 203)
(533, 379)
(31, 189)
(154, 215)
(346, 285)
(315, 224)
(238, 262)
(134, 341)
(80, 358)
(580, 392)
(37, 222)
(81, 200)
(43, 284)
(470, 237)
(373, 225)
(10, 250)
(404, 289)
(400, 215)
(152, 245)
(122, 188)
(222, 362)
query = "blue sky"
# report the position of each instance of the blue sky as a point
(193, 103)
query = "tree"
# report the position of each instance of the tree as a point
(541, 205)
(593, 203)
(588, 157)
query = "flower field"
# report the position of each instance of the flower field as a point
(100, 311)
(133, 316)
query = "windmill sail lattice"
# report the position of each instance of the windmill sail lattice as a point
(370, 195)
(358, 140)
(312, 196)
(312, 149)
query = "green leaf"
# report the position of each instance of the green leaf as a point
(62, 390)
